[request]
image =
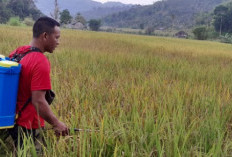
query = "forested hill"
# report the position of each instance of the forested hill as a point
(162, 14)
(88, 8)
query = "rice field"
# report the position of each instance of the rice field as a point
(141, 96)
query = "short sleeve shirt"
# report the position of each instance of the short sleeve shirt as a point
(35, 76)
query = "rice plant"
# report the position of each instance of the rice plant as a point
(139, 96)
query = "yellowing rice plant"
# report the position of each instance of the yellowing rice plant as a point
(147, 96)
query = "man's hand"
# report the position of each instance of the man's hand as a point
(44, 110)
(61, 129)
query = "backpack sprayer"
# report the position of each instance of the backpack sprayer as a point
(9, 78)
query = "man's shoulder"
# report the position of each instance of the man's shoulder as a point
(20, 50)
(35, 60)
(36, 56)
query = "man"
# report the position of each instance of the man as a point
(35, 81)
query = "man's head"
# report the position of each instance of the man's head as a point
(47, 30)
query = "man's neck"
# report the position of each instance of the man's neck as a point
(36, 43)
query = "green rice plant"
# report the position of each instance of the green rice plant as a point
(140, 96)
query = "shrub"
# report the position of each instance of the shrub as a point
(14, 21)
(149, 30)
(200, 33)
(109, 30)
(212, 34)
(226, 39)
(28, 21)
(94, 25)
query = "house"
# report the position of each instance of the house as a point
(181, 34)
(76, 25)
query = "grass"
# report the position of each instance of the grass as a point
(148, 96)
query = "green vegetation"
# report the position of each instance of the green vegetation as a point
(65, 17)
(94, 24)
(28, 21)
(148, 96)
(149, 30)
(215, 25)
(14, 21)
(222, 18)
(200, 33)
(20, 8)
(80, 18)
(209, 19)
(175, 14)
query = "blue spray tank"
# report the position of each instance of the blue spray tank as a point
(9, 80)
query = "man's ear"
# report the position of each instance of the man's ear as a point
(45, 35)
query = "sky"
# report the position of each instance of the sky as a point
(142, 2)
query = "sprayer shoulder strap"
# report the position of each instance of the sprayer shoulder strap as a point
(17, 57)
(24, 106)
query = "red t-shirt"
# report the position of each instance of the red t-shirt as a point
(34, 76)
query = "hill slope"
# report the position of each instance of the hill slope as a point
(165, 14)
(89, 8)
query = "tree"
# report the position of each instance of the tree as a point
(200, 33)
(141, 26)
(94, 24)
(65, 17)
(80, 18)
(203, 19)
(5, 13)
(220, 20)
(35, 14)
(19, 8)
(23, 8)
(149, 30)
(173, 17)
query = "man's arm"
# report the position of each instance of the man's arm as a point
(44, 110)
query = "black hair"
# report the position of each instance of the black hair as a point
(44, 24)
